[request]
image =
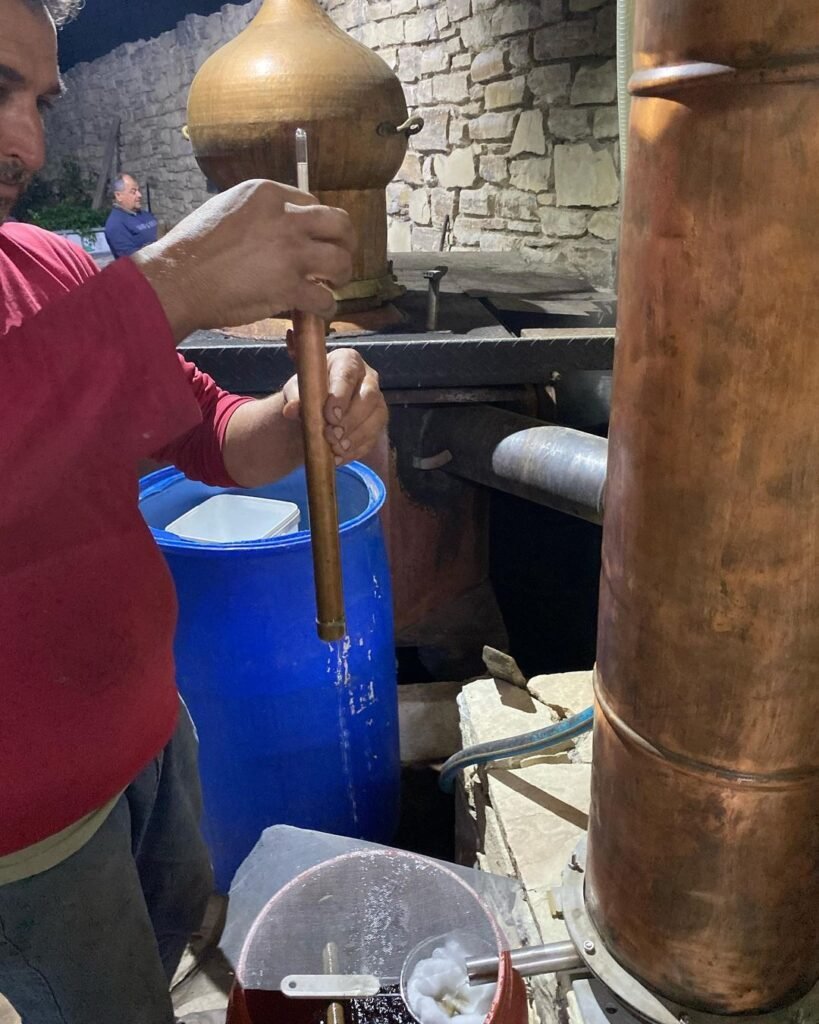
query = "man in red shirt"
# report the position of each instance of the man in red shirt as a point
(102, 869)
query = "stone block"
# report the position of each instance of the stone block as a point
(423, 92)
(519, 52)
(477, 202)
(516, 16)
(532, 174)
(585, 176)
(606, 123)
(552, 11)
(476, 32)
(550, 84)
(461, 60)
(421, 27)
(494, 168)
(458, 130)
(435, 133)
(606, 31)
(456, 169)
(566, 693)
(398, 196)
(494, 126)
(529, 136)
(434, 58)
(568, 123)
(595, 84)
(557, 222)
(409, 64)
(586, 5)
(567, 39)
(594, 259)
(605, 224)
(508, 93)
(490, 709)
(419, 209)
(428, 721)
(488, 65)
(390, 32)
(442, 19)
(516, 204)
(543, 810)
(425, 239)
(443, 205)
(451, 88)
(467, 231)
(399, 235)
(458, 9)
(498, 241)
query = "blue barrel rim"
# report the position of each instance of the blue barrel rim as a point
(161, 479)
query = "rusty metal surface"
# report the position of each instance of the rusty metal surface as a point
(704, 838)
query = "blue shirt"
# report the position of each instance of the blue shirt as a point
(126, 232)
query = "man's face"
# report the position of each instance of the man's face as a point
(29, 83)
(129, 198)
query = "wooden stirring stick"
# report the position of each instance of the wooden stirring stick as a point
(311, 364)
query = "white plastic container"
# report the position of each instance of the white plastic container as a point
(226, 518)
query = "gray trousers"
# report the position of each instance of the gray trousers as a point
(96, 939)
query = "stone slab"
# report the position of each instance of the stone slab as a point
(428, 721)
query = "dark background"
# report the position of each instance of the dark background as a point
(105, 24)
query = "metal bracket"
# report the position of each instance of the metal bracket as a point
(432, 461)
(330, 986)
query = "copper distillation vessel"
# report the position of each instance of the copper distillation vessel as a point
(703, 849)
(292, 67)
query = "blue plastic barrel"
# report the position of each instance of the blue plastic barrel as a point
(292, 730)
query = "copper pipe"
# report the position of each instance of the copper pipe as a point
(703, 873)
(319, 462)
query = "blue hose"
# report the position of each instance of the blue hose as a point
(527, 743)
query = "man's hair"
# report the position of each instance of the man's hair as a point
(118, 184)
(60, 10)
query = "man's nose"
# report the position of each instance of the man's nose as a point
(21, 135)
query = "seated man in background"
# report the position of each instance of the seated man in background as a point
(128, 227)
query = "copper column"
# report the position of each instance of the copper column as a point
(703, 871)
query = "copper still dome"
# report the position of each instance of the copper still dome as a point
(293, 67)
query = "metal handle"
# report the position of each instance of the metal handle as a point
(411, 126)
(556, 956)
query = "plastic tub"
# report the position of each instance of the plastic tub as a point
(233, 517)
(292, 730)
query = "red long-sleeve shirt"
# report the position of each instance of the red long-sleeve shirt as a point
(91, 384)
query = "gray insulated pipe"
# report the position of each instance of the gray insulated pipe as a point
(561, 468)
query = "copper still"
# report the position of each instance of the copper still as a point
(292, 67)
(703, 870)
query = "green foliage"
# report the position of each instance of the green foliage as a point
(62, 203)
(65, 216)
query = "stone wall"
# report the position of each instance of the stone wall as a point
(519, 148)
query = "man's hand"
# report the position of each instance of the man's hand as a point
(258, 249)
(356, 412)
(263, 439)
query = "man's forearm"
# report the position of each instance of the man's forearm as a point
(260, 445)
